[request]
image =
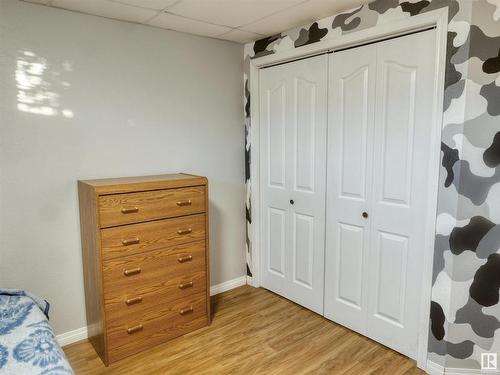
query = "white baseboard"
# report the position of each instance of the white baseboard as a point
(79, 334)
(228, 285)
(470, 371)
(435, 369)
(70, 337)
(250, 280)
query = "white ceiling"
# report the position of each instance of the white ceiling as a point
(236, 20)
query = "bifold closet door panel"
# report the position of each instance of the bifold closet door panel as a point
(379, 139)
(293, 121)
(350, 134)
(406, 75)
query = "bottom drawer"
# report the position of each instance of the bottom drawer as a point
(158, 325)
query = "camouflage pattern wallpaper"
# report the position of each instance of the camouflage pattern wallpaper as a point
(465, 308)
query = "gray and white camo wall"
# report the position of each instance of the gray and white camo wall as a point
(465, 308)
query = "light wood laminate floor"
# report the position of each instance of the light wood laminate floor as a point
(256, 332)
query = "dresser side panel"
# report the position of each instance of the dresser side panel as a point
(207, 253)
(92, 268)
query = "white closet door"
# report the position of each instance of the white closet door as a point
(350, 134)
(378, 164)
(293, 116)
(406, 74)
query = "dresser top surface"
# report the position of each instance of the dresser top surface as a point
(154, 182)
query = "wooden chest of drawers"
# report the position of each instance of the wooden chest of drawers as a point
(145, 260)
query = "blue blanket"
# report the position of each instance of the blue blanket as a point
(27, 342)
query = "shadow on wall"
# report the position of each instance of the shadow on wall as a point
(215, 228)
(37, 85)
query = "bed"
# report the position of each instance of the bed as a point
(27, 342)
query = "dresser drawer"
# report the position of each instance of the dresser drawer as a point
(123, 305)
(158, 325)
(118, 209)
(151, 268)
(138, 238)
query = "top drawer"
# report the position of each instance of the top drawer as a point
(117, 209)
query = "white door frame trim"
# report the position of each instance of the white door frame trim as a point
(436, 18)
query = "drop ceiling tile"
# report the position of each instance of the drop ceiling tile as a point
(174, 22)
(282, 21)
(231, 13)
(323, 8)
(240, 36)
(107, 8)
(150, 4)
(300, 15)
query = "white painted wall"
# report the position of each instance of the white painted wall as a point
(109, 98)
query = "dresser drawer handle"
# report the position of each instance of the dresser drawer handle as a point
(133, 271)
(186, 202)
(133, 301)
(184, 231)
(134, 329)
(186, 310)
(130, 210)
(185, 259)
(131, 241)
(186, 285)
